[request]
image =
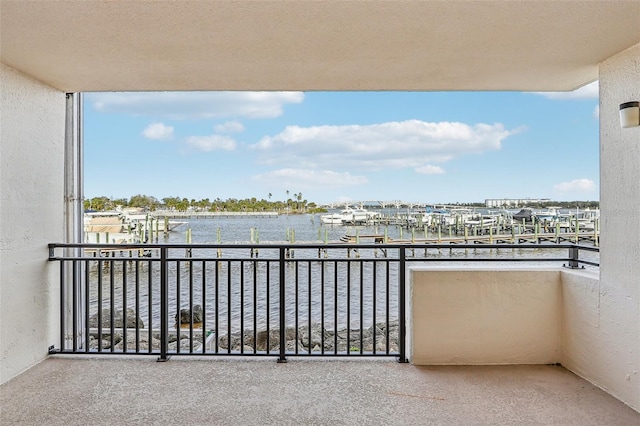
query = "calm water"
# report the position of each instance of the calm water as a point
(305, 228)
(244, 294)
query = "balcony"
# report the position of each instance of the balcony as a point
(515, 310)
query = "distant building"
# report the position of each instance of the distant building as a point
(513, 202)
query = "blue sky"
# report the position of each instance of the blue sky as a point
(430, 147)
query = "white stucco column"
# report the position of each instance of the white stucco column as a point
(616, 354)
(32, 126)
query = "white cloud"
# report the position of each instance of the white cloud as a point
(588, 91)
(211, 143)
(596, 112)
(577, 185)
(306, 179)
(430, 170)
(403, 144)
(195, 105)
(229, 127)
(158, 131)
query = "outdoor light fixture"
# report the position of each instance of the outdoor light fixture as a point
(630, 114)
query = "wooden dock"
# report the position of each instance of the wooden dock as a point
(522, 238)
(376, 239)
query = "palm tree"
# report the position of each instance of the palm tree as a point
(287, 201)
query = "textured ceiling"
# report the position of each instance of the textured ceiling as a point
(313, 45)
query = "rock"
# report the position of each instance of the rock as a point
(118, 319)
(273, 338)
(248, 350)
(293, 343)
(185, 345)
(143, 343)
(105, 343)
(291, 347)
(187, 316)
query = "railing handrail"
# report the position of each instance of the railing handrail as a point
(275, 245)
(572, 248)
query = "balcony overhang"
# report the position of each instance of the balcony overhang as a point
(308, 45)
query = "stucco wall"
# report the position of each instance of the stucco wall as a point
(484, 316)
(619, 292)
(32, 117)
(584, 350)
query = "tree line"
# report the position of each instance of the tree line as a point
(295, 204)
(292, 205)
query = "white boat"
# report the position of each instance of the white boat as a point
(358, 217)
(152, 222)
(349, 216)
(437, 218)
(445, 218)
(331, 219)
(483, 221)
(562, 222)
(547, 215)
(586, 220)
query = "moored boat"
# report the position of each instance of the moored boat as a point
(349, 216)
(332, 218)
(525, 215)
(358, 217)
(483, 221)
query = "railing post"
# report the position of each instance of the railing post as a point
(281, 307)
(63, 305)
(401, 305)
(573, 257)
(164, 306)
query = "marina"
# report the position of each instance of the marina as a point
(348, 225)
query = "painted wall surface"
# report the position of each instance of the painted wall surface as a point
(32, 117)
(483, 316)
(583, 351)
(616, 366)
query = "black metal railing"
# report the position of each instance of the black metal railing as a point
(259, 300)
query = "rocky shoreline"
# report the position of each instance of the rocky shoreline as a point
(301, 340)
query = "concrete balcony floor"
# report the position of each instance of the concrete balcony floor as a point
(196, 391)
